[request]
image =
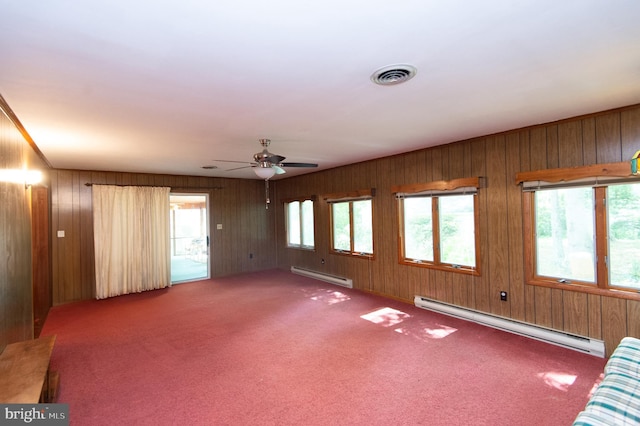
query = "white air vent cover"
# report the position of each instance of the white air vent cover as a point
(393, 74)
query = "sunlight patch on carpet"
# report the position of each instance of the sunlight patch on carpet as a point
(439, 333)
(558, 380)
(386, 317)
(389, 317)
(331, 297)
(427, 333)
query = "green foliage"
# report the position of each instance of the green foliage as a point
(543, 221)
(341, 226)
(419, 237)
(624, 211)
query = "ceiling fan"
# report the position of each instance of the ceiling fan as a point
(266, 164)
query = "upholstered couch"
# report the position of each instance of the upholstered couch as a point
(616, 401)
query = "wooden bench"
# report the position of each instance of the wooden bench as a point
(24, 372)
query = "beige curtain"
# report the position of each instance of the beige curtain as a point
(131, 239)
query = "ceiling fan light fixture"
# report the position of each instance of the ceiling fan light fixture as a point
(264, 172)
(393, 74)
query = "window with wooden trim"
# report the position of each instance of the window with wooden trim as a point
(351, 217)
(582, 229)
(439, 225)
(300, 224)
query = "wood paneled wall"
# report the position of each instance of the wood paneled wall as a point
(41, 256)
(16, 301)
(611, 136)
(238, 205)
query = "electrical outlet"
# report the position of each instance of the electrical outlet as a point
(503, 296)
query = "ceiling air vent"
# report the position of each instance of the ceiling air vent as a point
(393, 74)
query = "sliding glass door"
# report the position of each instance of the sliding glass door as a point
(189, 237)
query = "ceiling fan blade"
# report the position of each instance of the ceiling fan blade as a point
(238, 168)
(279, 170)
(232, 161)
(297, 165)
(246, 164)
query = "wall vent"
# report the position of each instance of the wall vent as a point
(577, 343)
(344, 282)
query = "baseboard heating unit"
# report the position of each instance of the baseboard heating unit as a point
(344, 282)
(559, 338)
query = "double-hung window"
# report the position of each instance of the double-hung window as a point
(582, 229)
(351, 216)
(439, 225)
(300, 224)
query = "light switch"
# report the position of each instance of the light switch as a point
(219, 226)
(61, 234)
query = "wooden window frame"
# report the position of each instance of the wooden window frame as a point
(350, 197)
(300, 200)
(436, 190)
(598, 175)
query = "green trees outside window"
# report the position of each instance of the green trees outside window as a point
(587, 235)
(457, 230)
(352, 227)
(439, 231)
(341, 226)
(418, 226)
(565, 231)
(623, 219)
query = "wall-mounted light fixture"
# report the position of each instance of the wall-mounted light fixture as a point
(634, 163)
(21, 176)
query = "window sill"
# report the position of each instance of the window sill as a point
(587, 288)
(445, 267)
(355, 255)
(301, 248)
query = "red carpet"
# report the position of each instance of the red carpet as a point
(278, 349)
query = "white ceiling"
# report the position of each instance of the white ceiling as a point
(168, 87)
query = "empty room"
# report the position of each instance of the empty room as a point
(352, 213)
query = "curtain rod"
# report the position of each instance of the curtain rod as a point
(177, 188)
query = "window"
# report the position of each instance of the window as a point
(623, 228)
(565, 230)
(351, 218)
(438, 225)
(299, 223)
(583, 233)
